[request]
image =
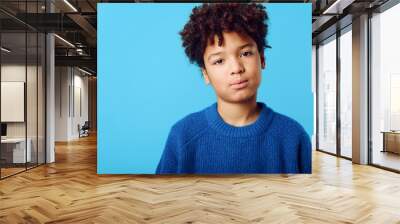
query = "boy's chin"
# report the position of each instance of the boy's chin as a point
(241, 98)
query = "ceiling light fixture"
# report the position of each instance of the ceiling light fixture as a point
(337, 7)
(71, 6)
(5, 50)
(79, 51)
(86, 72)
(64, 40)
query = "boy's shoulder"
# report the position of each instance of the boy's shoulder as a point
(191, 125)
(287, 124)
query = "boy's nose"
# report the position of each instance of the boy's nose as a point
(237, 67)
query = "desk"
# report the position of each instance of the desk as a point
(17, 150)
(391, 141)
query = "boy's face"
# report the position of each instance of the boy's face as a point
(234, 68)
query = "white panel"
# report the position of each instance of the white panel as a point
(395, 102)
(77, 102)
(77, 112)
(12, 101)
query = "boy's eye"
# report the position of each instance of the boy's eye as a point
(247, 53)
(217, 62)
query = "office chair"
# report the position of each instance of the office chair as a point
(84, 130)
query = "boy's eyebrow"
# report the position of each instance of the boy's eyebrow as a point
(246, 45)
(214, 54)
(240, 48)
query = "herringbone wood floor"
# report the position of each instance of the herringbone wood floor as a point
(70, 191)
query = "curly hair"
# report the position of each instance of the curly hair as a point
(209, 20)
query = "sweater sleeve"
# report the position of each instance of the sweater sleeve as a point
(169, 161)
(305, 154)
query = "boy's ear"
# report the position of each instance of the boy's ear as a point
(205, 76)
(262, 61)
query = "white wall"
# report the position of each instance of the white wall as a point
(33, 127)
(12, 101)
(62, 81)
(79, 117)
(16, 72)
(71, 87)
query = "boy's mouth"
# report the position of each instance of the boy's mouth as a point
(239, 84)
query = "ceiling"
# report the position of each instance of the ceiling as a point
(75, 21)
(329, 16)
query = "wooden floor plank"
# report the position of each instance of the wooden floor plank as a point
(70, 191)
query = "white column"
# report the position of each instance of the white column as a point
(50, 100)
(360, 90)
(50, 92)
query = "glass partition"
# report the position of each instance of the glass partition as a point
(385, 89)
(22, 88)
(327, 95)
(14, 153)
(346, 92)
(32, 95)
(41, 88)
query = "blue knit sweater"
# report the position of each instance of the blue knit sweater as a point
(203, 143)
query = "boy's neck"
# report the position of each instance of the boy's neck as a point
(238, 114)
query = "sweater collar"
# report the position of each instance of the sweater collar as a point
(257, 127)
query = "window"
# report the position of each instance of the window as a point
(327, 95)
(346, 92)
(385, 88)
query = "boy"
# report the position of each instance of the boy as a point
(237, 134)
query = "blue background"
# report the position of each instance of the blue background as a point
(146, 83)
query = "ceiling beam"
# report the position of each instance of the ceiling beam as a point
(84, 61)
